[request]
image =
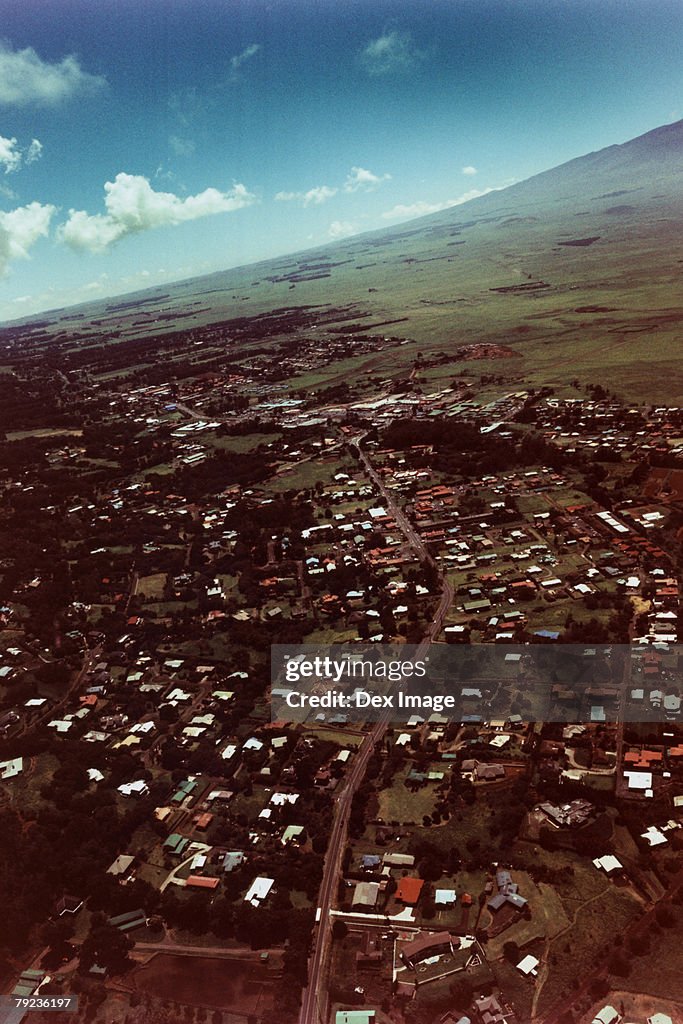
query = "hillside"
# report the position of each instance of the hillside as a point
(576, 270)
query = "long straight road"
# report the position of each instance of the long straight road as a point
(314, 997)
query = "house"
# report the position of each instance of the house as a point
(426, 946)
(292, 834)
(233, 859)
(408, 891)
(259, 890)
(607, 1015)
(654, 837)
(10, 769)
(528, 966)
(67, 905)
(354, 1017)
(488, 772)
(175, 844)
(490, 1011)
(445, 897)
(610, 864)
(398, 860)
(127, 922)
(201, 882)
(121, 866)
(365, 894)
(137, 788)
(370, 861)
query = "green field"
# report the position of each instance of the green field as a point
(496, 270)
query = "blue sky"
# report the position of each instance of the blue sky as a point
(143, 141)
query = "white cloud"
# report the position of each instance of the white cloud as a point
(360, 178)
(470, 170)
(420, 208)
(341, 229)
(20, 229)
(34, 151)
(247, 53)
(26, 78)
(393, 51)
(314, 197)
(12, 155)
(133, 206)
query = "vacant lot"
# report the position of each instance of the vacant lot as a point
(242, 987)
(403, 804)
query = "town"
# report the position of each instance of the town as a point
(193, 856)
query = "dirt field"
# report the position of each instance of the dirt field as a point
(665, 482)
(205, 981)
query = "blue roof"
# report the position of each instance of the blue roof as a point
(370, 860)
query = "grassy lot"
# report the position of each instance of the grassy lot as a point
(299, 476)
(250, 806)
(399, 803)
(467, 824)
(332, 636)
(152, 586)
(344, 739)
(519, 991)
(23, 792)
(20, 435)
(240, 443)
(659, 972)
(595, 911)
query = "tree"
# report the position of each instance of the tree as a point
(461, 991)
(511, 952)
(106, 946)
(340, 929)
(665, 916)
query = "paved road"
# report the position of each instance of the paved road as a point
(314, 997)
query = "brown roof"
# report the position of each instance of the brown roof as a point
(424, 942)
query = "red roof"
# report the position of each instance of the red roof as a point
(409, 890)
(199, 882)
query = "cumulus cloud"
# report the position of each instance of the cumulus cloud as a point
(420, 208)
(133, 206)
(26, 78)
(20, 229)
(469, 170)
(360, 178)
(341, 229)
(391, 52)
(314, 197)
(247, 53)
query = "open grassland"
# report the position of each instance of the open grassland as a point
(572, 286)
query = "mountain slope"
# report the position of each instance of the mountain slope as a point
(577, 270)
